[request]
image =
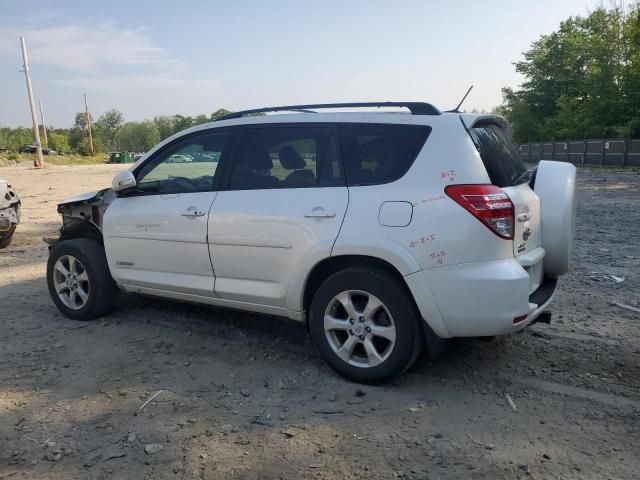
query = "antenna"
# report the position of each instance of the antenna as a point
(457, 109)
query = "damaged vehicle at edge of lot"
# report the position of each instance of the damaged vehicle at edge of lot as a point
(9, 213)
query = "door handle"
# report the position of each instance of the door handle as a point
(193, 212)
(319, 212)
(523, 217)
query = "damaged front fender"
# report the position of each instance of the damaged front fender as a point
(82, 215)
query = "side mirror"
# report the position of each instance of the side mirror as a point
(123, 181)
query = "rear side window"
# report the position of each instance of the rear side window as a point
(374, 154)
(286, 157)
(500, 157)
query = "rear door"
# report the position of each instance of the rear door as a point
(282, 209)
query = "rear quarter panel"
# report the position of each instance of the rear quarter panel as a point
(441, 232)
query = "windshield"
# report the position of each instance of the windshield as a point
(500, 157)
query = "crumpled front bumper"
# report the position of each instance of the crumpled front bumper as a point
(9, 207)
(9, 217)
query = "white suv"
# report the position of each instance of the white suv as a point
(382, 231)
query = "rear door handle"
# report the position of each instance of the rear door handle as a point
(193, 212)
(319, 212)
(523, 217)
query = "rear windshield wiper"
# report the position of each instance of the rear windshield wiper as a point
(521, 178)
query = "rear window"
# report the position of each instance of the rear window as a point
(373, 154)
(500, 157)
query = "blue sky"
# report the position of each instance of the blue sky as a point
(149, 58)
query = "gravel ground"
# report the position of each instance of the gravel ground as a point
(246, 396)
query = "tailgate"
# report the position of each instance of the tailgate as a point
(507, 170)
(526, 229)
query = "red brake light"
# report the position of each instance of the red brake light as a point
(487, 203)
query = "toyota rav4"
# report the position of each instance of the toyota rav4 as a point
(384, 231)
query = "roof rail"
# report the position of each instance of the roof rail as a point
(416, 108)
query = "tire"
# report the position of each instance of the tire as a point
(397, 309)
(95, 290)
(6, 238)
(555, 184)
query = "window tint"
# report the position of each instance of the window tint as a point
(374, 154)
(286, 157)
(500, 157)
(185, 166)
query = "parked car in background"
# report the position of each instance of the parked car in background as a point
(32, 149)
(9, 213)
(383, 231)
(27, 149)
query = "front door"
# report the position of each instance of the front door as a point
(156, 235)
(282, 209)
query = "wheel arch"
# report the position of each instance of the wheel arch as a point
(76, 228)
(414, 282)
(330, 265)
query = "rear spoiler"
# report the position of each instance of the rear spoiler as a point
(471, 120)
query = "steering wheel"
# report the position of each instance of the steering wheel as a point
(182, 183)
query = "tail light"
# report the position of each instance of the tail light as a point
(487, 203)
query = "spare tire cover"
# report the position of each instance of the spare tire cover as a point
(555, 184)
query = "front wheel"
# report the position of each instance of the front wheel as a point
(366, 325)
(79, 280)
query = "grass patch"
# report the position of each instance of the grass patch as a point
(55, 159)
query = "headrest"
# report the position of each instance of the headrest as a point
(290, 159)
(255, 156)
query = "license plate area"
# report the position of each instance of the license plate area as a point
(535, 276)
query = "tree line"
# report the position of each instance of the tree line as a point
(109, 132)
(581, 81)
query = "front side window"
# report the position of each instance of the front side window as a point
(286, 157)
(374, 154)
(185, 166)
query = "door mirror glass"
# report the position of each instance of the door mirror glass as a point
(123, 181)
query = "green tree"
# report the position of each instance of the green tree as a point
(138, 136)
(59, 141)
(181, 122)
(580, 81)
(200, 119)
(18, 137)
(165, 126)
(107, 126)
(221, 112)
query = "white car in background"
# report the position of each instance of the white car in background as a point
(383, 231)
(9, 213)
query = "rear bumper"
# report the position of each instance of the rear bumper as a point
(483, 299)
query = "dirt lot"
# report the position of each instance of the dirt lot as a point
(245, 396)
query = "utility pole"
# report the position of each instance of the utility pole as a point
(86, 109)
(44, 127)
(38, 162)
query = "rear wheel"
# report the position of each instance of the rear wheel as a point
(365, 325)
(79, 280)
